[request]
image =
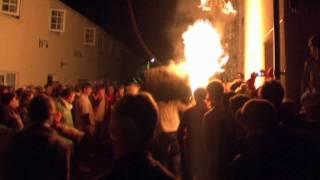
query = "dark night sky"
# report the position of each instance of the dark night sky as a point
(153, 17)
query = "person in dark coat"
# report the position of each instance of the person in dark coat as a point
(6, 135)
(38, 152)
(132, 127)
(219, 134)
(189, 134)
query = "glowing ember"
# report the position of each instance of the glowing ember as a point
(203, 53)
(205, 5)
(228, 8)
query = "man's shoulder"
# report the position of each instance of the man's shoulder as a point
(60, 105)
(217, 114)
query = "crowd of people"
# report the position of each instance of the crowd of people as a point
(225, 131)
(54, 131)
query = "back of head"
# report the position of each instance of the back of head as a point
(200, 95)
(7, 98)
(235, 84)
(237, 101)
(40, 109)
(67, 92)
(57, 91)
(85, 85)
(134, 120)
(215, 90)
(100, 87)
(26, 95)
(259, 115)
(273, 91)
(226, 99)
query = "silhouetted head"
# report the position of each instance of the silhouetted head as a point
(48, 89)
(133, 122)
(226, 99)
(101, 91)
(26, 97)
(272, 91)
(41, 109)
(86, 88)
(237, 102)
(68, 94)
(200, 95)
(235, 84)
(259, 116)
(10, 99)
(57, 91)
(215, 92)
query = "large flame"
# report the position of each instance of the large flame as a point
(204, 54)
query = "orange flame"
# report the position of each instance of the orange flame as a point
(228, 8)
(204, 54)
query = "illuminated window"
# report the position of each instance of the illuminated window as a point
(57, 20)
(11, 7)
(90, 36)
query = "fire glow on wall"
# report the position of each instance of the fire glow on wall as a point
(254, 50)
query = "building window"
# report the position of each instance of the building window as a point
(8, 79)
(11, 7)
(57, 20)
(90, 36)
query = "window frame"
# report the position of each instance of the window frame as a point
(6, 77)
(94, 30)
(63, 24)
(8, 12)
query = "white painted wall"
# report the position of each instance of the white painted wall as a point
(20, 52)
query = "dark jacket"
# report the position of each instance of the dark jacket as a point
(190, 140)
(138, 166)
(39, 153)
(219, 142)
(6, 135)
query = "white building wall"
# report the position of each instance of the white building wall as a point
(66, 58)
